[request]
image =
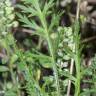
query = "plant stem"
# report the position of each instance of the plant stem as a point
(78, 76)
(78, 9)
(54, 67)
(77, 59)
(44, 24)
(71, 71)
(77, 55)
(69, 82)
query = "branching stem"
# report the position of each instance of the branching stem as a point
(44, 24)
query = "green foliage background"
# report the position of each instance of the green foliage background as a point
(22, 70)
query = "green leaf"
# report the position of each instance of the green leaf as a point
(14, 57)
(28, 9)
(3, 69)
(11, 92)
(44, 60)
(68, 75)
(38, 30)
(21, 66)
(54, 21)
(47, 7)
(48, 79)
(26, 21)
(3, 43)
(46, 65)
(68, 50)
(35, 4)
(4, 60)
(88, 91)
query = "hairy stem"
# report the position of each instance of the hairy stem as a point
(77, 55)
(78, 76)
